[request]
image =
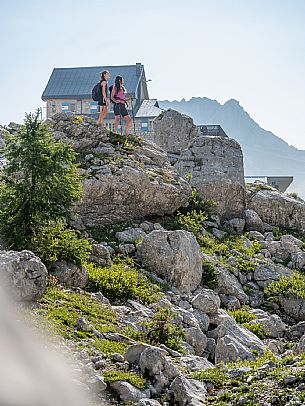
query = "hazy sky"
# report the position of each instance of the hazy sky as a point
(249, 50)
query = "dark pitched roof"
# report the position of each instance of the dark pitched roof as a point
(78, 82)
(149, 108)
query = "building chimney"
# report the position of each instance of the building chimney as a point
(138, 68)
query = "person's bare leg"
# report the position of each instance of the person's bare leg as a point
(99, 121)
(128, 122)
(116, 125)
(105, 112)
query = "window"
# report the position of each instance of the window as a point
(53, 108)
(93, 107)
(144, 125)
(66, 106)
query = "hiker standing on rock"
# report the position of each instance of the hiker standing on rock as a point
(103, 103)
(118, 96)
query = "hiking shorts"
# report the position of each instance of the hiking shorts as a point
(120, 110)
(102, 103)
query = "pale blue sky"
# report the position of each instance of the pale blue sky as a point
(249, 50)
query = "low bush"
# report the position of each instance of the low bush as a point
(242, 315)
(209, 274)
(293, 285)
(54, 242)
(216, 376)
(123, 281)
(131, 377)
(63, 308)
(161, 330)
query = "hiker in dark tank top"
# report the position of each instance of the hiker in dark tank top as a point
(104, 103)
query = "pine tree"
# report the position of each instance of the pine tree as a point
(39, 183)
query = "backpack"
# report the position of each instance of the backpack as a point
(97, 92)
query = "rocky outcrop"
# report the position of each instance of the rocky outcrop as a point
(277, 209)
(215, 168)
(24, 274)
(173, 131)
(235, 341)
(123, 181)
(174, 255)
(69, 274)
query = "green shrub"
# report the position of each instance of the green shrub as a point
(192, 221)
(242, 315)
(246, 266)
(256, 328)
(54, 242)
(216, 376)
(129, 142)
(293, 285)
(122, 281)
(131, 377)
(161, 330)
(63, 308)
(209, 274)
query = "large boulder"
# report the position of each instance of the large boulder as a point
(158, 367)
(207, 301)
(69, 274)
(188, 392)
(173, 131)
(127, 392)
(293, 306)
(268, 272)
(123, 181)
(236, 342)
(215, 168)
(228, 284)
(173, 255)
(24, 274)
(277, 209)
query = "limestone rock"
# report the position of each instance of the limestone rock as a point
(122, 184)
(159, 367)
(127, 392)
(174, 255)
(253, 221)
(216, 168)
(196, 338)
(188, 392)
(265, 273)
(293, 306)
(100, 254)
(70, 275)
(228, 284)
(24, 274)
(195, 363)
(206, 301)
(133, 353)
(272, 323)
(173, 131)
(278, 209)
(236, 342)
(130, 234)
